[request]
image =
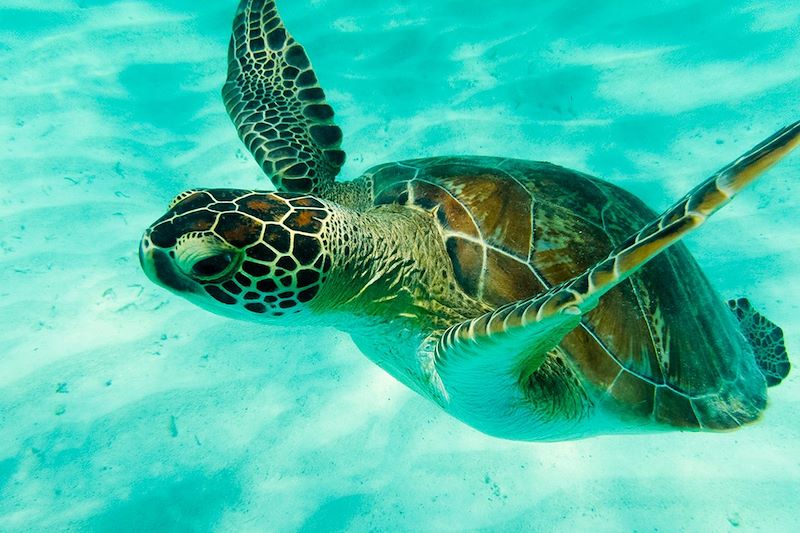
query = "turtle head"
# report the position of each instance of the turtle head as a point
(244, 254)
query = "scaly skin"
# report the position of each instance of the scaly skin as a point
(392, 287)
(389, 263)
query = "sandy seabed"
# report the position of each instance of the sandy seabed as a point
(125, 408)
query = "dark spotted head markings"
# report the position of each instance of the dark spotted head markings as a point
(260, 251)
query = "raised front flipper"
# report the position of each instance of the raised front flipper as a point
(273, 97)
(504, 347)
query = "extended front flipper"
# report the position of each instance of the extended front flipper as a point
(503, 348)
(274, 98)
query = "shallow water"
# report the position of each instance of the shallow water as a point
(125, 408)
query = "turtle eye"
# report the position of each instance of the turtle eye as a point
(212, 267)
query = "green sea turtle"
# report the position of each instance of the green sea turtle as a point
(530, 301)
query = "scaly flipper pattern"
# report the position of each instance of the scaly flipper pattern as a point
(766, 339)
(274, 98)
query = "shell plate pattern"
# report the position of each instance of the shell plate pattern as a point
(661, 345)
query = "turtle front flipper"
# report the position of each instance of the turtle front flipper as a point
(676, 222)
(504, 347)
(766, 340)
(274, 98)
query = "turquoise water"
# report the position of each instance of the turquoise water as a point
(125, 408)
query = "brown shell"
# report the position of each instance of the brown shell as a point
(661, 345)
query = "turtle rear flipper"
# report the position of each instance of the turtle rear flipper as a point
(766, 338)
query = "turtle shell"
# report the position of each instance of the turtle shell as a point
(661, 345)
